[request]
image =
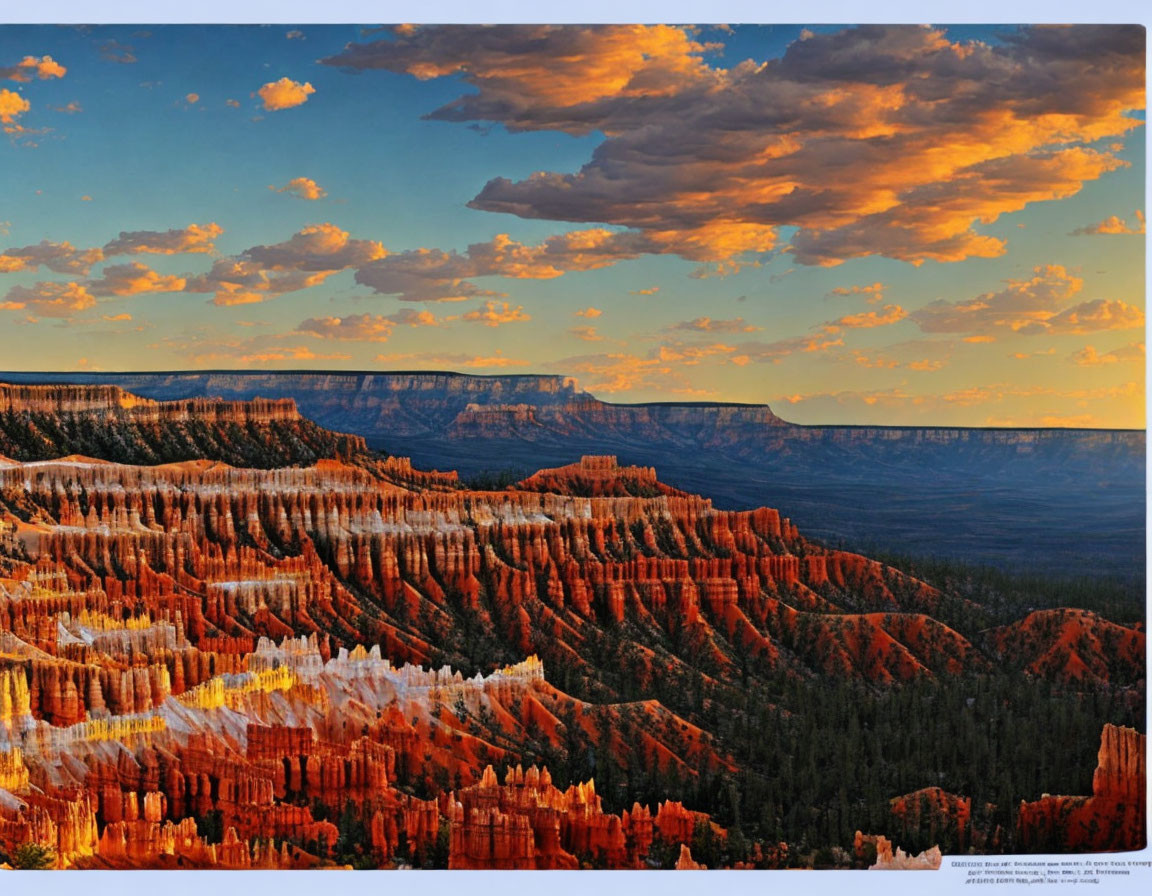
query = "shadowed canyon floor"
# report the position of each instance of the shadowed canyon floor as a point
(231, 638)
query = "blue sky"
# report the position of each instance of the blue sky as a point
(888, 225)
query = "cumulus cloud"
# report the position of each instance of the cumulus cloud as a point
(432, 275)
(49, 299)
(690, 353)
(1113, 225)
(648, 291)
(1089, 357)
(359, 327)
(195, 238)
(302, 188)
(12, 106)
(306, 259)
(889, 314)
(1088, 317)
(284, 94)
(708, 325)
(1035, 305)
(366, 327)
(929, 136)
(495, 314)
(133, 279)
(63, 258)
(318, 247)
(874, 292)
(589, 312)
(30, 67)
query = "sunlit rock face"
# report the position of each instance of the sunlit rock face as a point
(1112, 818)
(205, 663)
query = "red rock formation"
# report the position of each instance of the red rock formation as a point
(1073, 645)
(114, 401)
(685, 861)
(205, 666)
(1113, 818)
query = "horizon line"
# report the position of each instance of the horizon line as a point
(296, 371)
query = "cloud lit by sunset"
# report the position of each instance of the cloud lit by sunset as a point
(944, 202)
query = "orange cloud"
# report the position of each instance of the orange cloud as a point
(1023, 306)
(649, 291)
(306, 259)
(617, 372)
(589, 312)
(359, 327)
(432, 275)
(1113, 225)
(50, 299)
(929, 136)
(1089, 357)
(291, 353)
(889, 314)
(690, 353)
(63, 258)
(195, 238)
(495, 314)
(192, 98)
(302, 188)
(588, 334)
(133, 279)
(30, 67)
(622, 372)
(12, 106)
(708, 325)
(874, 292)
(115, 318)
(284, 94)
(573, 66)
(1088, 317)
(366, 327)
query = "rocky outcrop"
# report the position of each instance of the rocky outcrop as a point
(887, 860)
(1073, 645)
(597, 477)
(114, 402)
(39, 422)
(1113, 818)
(526, 822)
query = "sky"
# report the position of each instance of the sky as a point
(875, 224)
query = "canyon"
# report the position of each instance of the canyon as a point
(232, 638)
(1012, 498)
